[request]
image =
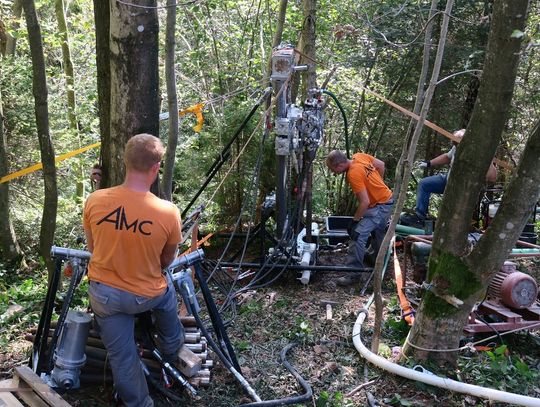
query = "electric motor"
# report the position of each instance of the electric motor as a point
(513, 288)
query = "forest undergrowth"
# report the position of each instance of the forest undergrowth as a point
(269, 319)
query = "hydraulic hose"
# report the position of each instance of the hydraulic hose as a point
(243, 382)
(159, 387)
(345, 124)
(289, 400)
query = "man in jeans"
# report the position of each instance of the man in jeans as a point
(365, 176)
(436, 184)
(133, 236)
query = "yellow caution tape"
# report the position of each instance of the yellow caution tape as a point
(197, 111)
(39, 166)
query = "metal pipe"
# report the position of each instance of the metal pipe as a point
(408, 230)
(301, 268)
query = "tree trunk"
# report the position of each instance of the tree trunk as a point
(39, 86)
(9, 247)
(170, 78)
(70, 88)
(454, 270)
(134, 81)
(309, 77)
(11, 40)
(103, 67)
(276, 41)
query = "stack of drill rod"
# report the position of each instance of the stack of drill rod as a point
(97, 368)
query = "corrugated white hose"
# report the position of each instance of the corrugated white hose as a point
(434, 380)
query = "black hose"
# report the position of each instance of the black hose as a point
(345, 124)
(293, 399)
(225, 152)
(224, 359)
(159, 387)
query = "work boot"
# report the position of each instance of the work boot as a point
(348, 280)
(413, 220)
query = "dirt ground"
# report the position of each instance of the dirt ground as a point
(285, 312)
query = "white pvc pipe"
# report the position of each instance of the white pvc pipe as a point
(434, 380)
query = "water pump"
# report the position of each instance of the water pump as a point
(69, 356)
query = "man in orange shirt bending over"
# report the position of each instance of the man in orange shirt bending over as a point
(133, 236)
(365, 176)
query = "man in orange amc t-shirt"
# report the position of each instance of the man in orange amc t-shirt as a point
(365, 176)
(133, 236)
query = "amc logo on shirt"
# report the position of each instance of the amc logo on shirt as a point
(119, 219)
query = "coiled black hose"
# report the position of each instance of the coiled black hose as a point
(288, 400)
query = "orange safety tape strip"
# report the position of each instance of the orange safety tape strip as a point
(429, 124)
(39, 166)
(404, 303)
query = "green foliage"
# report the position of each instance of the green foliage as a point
(501, 370)
(332, 399)
(394, 326)
(28, 294)
(252, 307)
(301, 330)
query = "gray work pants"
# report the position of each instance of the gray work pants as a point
(374, 220)
(115, 312)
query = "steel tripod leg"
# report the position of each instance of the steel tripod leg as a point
(39, 350)
(217, 322)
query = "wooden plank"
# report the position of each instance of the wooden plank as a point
(189, 363)
(8, 399)
(29, 397)
(26, 375)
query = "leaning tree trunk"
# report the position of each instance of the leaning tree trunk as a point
(70, 88)
(10, 251)
(405, 162)
(39, 86)
(134, 81)
(103, 67)
(455, 270)
(170, 79)
(268, 183)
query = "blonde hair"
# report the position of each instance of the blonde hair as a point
(142, 152)
(335, 158)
